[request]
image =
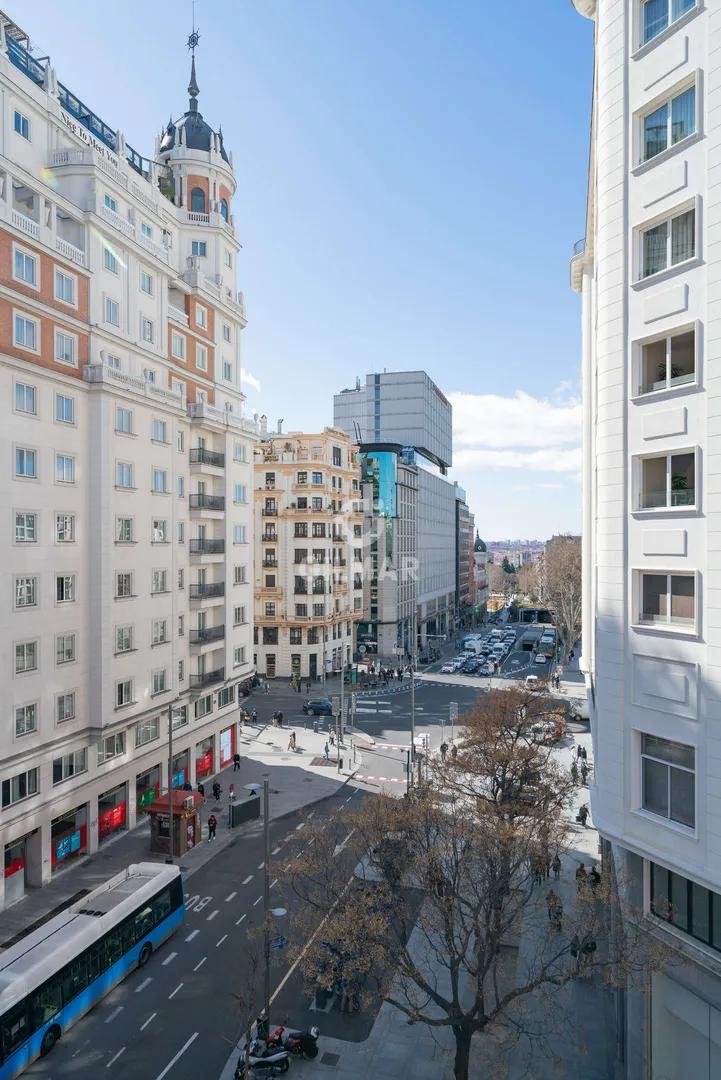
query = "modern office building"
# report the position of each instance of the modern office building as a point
(480, 576)
(404, 422)
(649, 275)
(309, 557)
(125, 493)
(464, 557)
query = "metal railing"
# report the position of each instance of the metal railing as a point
(207, 502)
(207, 547)
(207, 634)
(579, 247)
(200, 591)
(208, 678)
(200, 456)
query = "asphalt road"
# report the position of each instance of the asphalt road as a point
(177, 1017)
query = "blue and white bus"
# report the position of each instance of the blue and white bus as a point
(52, 977)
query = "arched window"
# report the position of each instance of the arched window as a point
(197, 201)
(224, 209)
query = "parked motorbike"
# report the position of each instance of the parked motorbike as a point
(264, 1060)
(301, 1043)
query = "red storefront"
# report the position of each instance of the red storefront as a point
(227, 746)
(112, 812)
(204, 758)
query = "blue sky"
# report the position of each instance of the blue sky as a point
(412, 177)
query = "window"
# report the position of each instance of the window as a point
(313, 635)
(239, 575)
(160, 681)
(239, 534)
(111, 747)
(337, 456)
(668, 779)
(149, 375)
(201, 397)
(123, 421)
(300, 529)
(669, 123)
(201, 316)
(21, 124)
(668, 599)
(669, 243)
(296, 636)
(270, 608)
(65, 588)
(181, 578)
(113, 362)
(64, 409)
(318, 528)
(65, 709)
(123, 693)
(180, 441)
(146, 230)
(177, 345)
(318, 610)
(198, 247)
(317, 477)
(656, 15)
(159, 532)
(226, 696)
(65, 528)
(227, 371)
(123, 639)
(111, 203)
(160, 631)
(146, 329)
(110, 260)
(301, 611)
(160, 481)
(203, 706)
(159, 431)
(26, 333)
(123, 584)
(159, 581)
(26, 657)
(239, 615)
(146, 731)
(123, 474)
(668, 362)
(21, 786)
(270, 635)
(124, 530)
(70, 765)
(181, 487)
(239, 493)
(64, 469)
(112, 312)
(226, 333)
(26, 528)
(181, 625)
(26, 720)
(64, 348)
(201, 357)
(228, 259)
(25, 398)
(146, 282)
(668, 481)
(239, 452)
(65, 651)
(197, 200)
(181, 532)
(26, 592)
(239, 655)
(25, 268)
(224, 209)
(26, 463)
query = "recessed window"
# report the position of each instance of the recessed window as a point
(64, 409)
(146, 329)
(159, 430)
(25, 268)
(26, 333)
(26, 463)
(159, 531)
(227, 371)
(124, 530)
(197, 200)
(668, 779)
(226, 333)
(669, 243)
(224, 213)
(111, 747)
(123, 585)
(123, 474)
(668, 599)
(198, 247)
(64, 287)
(113, 362)
(21, 786)
(240, 493)
(110, 260)
(181, 487)
(64, 469)
(239, 655)
(657, 15)
(26, 657)
(146, 282)
(26, 720)
(21, 124)
(123, 693)
(123, 639)
(160, 631)
(146, 230)
(112, 312)
(147, 731)
(65, 651)
(239, 534)
(160, 681)
(65, 528)
(201, 357)
(65, 348)
(160, 481)
(25, 398)
(669, 123)
(26, 528)
(123, 420)
(201, 316)
(65, 588)
(239, 615)
(668, 481)
(159, 583)
(111, 203)
(70, 765)
(26, 592)
(228, 259)
(65, 710)
(177, 345)
(149, 375)
(668, 362)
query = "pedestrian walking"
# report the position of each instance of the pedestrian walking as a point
(279, 715)
(454, 751)
(579, 752)
(254, 717)
(236, 761)
(571, 655)
(556, 866)
(584, 773)
(555, 911)
(594, 878)
(574, 772)
(291, 741)
(581, 879)
(582, 815)
(212, 826)
(331, 737)
(326, 750)
(584, 753)
(201, 791)
(551, 901)
(307, 686)
(444, 750)
(299, 686)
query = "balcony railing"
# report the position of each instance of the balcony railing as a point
(201, 456)
(207, 547)
(270, 562)
(269, 537)
(338, 538)
(207, 502)
(269, 511)
(208, 678)
(207, 634)
(200, 591)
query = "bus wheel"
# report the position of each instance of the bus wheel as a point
(145, 954)
(50, 1037)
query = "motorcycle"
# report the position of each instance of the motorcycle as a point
(302, 1043)
(263, 1060)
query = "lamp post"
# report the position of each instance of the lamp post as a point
(171, 711)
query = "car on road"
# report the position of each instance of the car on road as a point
(540, 659)
(448, 668)
(578, 709)
(318, 707)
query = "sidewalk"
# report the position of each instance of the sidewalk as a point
(294, 781)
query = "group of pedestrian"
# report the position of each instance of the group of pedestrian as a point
(582, 772)
(587, 880)
(278, 718)
(444, 748)
(556, 681)
(296, 684)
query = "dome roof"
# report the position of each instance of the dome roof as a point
(197, 133)
(479, 544)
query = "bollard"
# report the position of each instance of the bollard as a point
(315, 727)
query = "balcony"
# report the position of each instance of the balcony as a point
(269, 511)
(338, 539)
(271, 564)
(201, 456)
(269, 537)
(208, 678)
(207, 634)
(207, 502)
(206, 547)
(206, 590)
(269, 590)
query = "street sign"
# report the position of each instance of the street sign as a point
(361, 649)
(335, 703)
(279, 942)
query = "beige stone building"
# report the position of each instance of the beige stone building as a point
(308, 553)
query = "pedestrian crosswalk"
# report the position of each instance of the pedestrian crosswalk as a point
(380, 779)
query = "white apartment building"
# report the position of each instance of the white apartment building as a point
(308, 553)
(125, 491)
(649, 274)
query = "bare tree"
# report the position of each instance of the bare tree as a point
(561, 587)
(470, 845)
(528, 583)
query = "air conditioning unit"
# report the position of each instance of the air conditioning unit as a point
(188, 803)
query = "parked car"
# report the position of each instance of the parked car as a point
(578, 709)
(540, 659)
(448, 668)
(318, 707)
(532, 682)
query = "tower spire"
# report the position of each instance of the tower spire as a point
(193, 88)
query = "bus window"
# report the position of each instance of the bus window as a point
(75, 978)
(161, 906)
(46, 1002)
(113, 946)
(143, 922)
(14, 1028)
(176, 893)
(97, 960)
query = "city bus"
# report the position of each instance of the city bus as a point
(57, 973)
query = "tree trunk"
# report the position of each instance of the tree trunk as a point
(463, 1033)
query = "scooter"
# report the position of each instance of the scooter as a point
(263, 1060)
(302, 1043)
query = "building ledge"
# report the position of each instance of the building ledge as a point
(587, 8)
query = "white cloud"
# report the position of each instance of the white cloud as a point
(555, 459)
(248, 379)
(490, 421)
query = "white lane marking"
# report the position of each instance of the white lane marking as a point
(144, 983)
(249, 878)
(148, 1021)
(239, 921)
(169, 958)
(231, 896)
(310, 815)
(256, 902)
(177, 1057)
(273, 883)
(115, 1057)
(178, 987)
(386, 711)
(359, 709)
(212, 915)
(261, 865)
(114, 1013)
(219, 943)
(275, 851)
(192, 934)
(200, 963)
(299, 826)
